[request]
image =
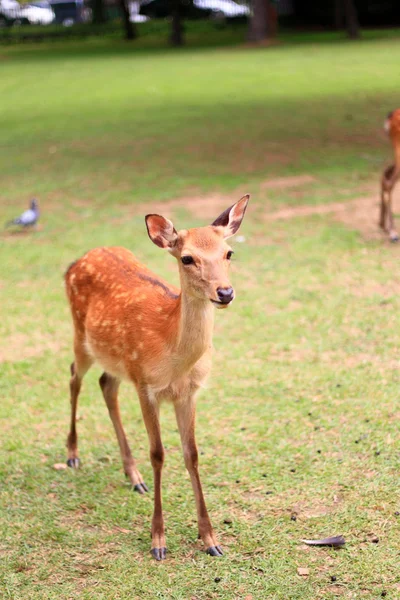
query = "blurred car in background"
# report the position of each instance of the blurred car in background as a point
(134, 13)
(36, 13)
(10, 13)
(196, 9)
(224, 9)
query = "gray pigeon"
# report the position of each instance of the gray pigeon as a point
(28, 218)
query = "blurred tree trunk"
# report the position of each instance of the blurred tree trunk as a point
(352, 26)
(176, 37)
(257, 31)
(130, 30)
(272, 19)
(263, 24)
(98, 12)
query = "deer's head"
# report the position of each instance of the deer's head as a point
(202, 253)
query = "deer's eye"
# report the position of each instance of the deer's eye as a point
(229, 255)
(187, 260)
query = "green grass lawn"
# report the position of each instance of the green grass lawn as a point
(301, 415)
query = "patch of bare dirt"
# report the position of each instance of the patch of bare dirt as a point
(291, 212)
(206, 207)
(76, 520)
(332, 358)
(282, 183)
(209, 205)
(292, 355)
(336, 590)
(20, 346)
(383, 290)
(359, 359)
(360, 214)
(314, 510)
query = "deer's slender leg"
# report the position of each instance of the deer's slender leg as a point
(393, 235)
(389, 178)
(151, 417)
(382, 217)
(185, 411)
(79, 368)
(109, 386)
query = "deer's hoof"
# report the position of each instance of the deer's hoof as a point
(215, 551)
(141, 488)
(394, 237)
(73, 463)
(159, 553)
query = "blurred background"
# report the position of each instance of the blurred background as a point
(80, 18)
(110, 111)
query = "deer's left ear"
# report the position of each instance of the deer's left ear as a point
(232, 217)
(161, 231)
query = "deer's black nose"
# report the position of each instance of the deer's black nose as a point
(225, 295)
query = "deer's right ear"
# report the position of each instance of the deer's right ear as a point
(232, 217)
(161, 231)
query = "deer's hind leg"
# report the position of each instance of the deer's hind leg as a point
(151, 417)
(109, 386)
(383, 205)
(82, 363)
(393, 235)
(388, 182)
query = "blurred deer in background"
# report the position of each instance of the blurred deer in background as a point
(139, 328)
(390, 176)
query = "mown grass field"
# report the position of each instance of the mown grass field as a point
(304, 397)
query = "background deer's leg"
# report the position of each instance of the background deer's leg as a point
(382, 216)
(79, 368)
(150, 410)
(393, 235)
(109, 386)
(185, 411)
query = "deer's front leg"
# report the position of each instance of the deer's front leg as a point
(150, 410)
(185, 410)
(389, 179)
(383, 211)
(393, 235)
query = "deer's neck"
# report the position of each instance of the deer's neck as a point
(195, 330)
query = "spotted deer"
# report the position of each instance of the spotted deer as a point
(140, 328)
(390, 176)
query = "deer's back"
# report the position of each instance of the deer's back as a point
(121, 310)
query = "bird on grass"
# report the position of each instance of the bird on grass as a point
(28, 217)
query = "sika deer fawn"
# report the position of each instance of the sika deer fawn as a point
(140, 328)
(390, 176)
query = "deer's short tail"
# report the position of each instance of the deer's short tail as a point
(392, 122)
(387, 122)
